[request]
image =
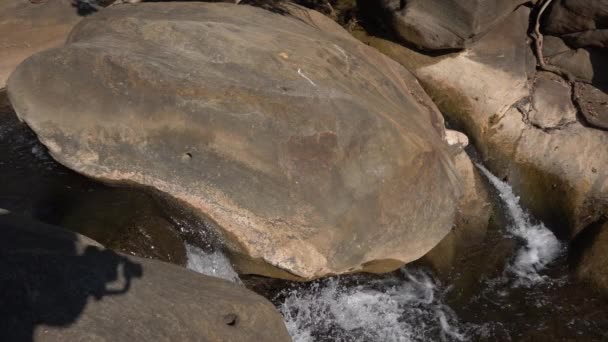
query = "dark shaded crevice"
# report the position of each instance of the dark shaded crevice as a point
(583, 242)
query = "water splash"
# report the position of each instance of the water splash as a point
(541, 246)
(399, 308)
(213, 264)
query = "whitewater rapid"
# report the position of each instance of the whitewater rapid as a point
(214, 264)
(401, 308)
(540, 246)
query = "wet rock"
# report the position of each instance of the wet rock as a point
(124, 219)
(61, 286)
(487, 91)
(474, 211)
(551, 105)
(309, 152)
(441, 24)
(29, 27)
(128, 221)
(593, 103)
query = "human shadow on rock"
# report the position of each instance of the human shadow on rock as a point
(47, 276)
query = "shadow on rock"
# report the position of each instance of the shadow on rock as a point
(57, 286)
(600, 69)
(48, 281)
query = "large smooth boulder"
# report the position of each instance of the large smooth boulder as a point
(56, 285)
(445, 24)
(309, 152)
(554, 163)
(29, 27)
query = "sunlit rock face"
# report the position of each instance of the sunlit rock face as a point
(29, 27)
(523, 128)
(309, 152)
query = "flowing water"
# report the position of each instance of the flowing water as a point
(531, 298)
(540, 246)
(214, 264)
(516, 287)
(406, 306)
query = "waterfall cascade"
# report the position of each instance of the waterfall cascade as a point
(540, 245)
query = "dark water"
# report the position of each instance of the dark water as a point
(479, 301)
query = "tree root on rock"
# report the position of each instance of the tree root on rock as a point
(538, 43)
(544, 66)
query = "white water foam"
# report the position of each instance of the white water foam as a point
(541, 246)
(394, 309)
(213, 264)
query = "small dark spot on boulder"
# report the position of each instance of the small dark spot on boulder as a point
(231, 319)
